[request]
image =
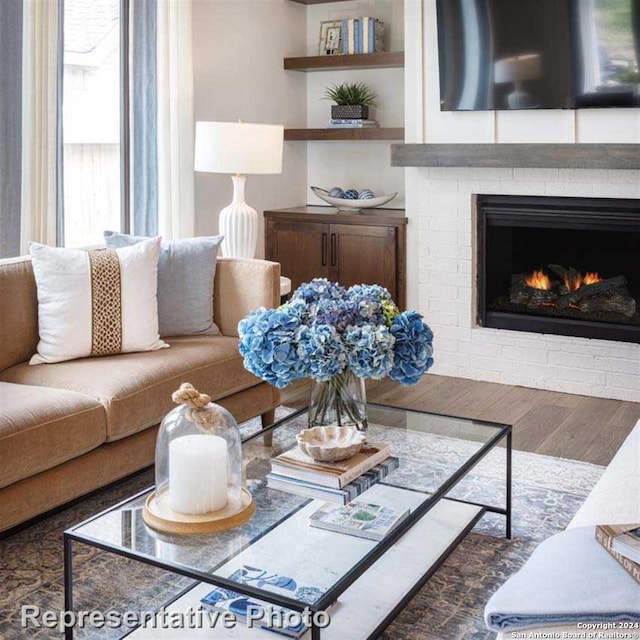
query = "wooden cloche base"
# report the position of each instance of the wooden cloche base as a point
(161, 517)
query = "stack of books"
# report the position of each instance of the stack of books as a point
(338, 482)
(623, 543)
(362, 35)
(352, 123)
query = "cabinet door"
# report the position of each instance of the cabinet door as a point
(302, 249)
(361, 254)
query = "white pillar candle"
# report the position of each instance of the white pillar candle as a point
(197, 474)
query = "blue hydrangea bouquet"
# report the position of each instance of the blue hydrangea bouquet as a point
(338, 337)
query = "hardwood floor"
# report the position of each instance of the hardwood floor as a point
(555, 424)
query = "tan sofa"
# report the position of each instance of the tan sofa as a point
(69, 428)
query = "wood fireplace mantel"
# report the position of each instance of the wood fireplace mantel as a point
(568, 156)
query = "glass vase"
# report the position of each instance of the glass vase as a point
(341, 400)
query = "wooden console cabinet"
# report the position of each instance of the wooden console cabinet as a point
(349, 248)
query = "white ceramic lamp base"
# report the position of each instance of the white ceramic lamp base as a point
(238, 223)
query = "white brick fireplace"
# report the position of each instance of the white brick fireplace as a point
(443, 255)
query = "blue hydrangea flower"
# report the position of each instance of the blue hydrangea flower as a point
(325, 329)
(268, 346)
(413, 349)
(338, 313)
(321, 347)
(319, 289)
(369, 350)
(368, 301)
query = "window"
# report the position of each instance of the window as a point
(92, 120)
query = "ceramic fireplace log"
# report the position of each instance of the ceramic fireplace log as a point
(608, 287)
(616, 303)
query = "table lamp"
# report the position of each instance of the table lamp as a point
(517, 69)
(238, 148)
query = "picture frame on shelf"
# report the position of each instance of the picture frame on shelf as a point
(330, 38)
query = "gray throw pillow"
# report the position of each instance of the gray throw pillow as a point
(186, 270)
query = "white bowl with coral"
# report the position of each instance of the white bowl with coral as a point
(331, 443)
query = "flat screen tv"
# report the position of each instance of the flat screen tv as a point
(538, 54)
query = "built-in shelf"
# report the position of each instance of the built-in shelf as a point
(381, 60)
(536, 155)
(373, 133)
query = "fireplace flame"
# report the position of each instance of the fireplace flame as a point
(538, 280)
(574, 281)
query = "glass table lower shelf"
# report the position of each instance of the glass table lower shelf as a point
(360, 584)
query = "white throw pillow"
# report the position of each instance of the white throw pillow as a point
(96, 303)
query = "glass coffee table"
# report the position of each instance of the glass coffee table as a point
(452, 472)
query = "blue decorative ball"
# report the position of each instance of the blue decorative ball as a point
(351, 194)
(336, 192)
(366, 194)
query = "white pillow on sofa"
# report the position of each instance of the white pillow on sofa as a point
(95, 303)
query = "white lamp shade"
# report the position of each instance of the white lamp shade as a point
(238, 147)
(518, 68)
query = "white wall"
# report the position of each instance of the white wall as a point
(440, 258)
(543, 125)
(238, 48)
(356, 164)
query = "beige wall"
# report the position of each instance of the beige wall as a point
(238, 48)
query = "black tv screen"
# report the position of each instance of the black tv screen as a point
(538, 54)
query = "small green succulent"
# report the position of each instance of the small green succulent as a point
(351, 93)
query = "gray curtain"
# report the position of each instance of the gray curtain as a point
(144, 117)
(10, 125)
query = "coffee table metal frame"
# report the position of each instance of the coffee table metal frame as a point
(503, 432)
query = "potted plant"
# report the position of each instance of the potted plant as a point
(352, 100)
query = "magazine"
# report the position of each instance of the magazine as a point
(221, 599)
(357, 518)
(627, 541)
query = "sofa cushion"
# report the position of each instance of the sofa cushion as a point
(96, 302)
(19, 319)
(186, 271)
(41, 428)
(136, 388)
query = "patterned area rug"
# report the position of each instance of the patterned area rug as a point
(546, 494)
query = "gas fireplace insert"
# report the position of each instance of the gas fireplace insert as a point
(569, 266)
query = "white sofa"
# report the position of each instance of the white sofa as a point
(615, 499)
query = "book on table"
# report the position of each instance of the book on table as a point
(361, 519)
(340, 496)
(296, 464)
(221, 599)
(623, 543)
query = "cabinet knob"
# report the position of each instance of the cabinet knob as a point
(324, 249)
(334, 256)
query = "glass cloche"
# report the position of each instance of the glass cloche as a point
(198, 458)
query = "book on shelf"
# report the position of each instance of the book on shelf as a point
(352, 124)
(623, 543)
(352, 120)
(296, 464)
(373, 35)
(350, 36)
(340, 496)
(221, 599)
(362, 35)
(345, 36)
(361, 519)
